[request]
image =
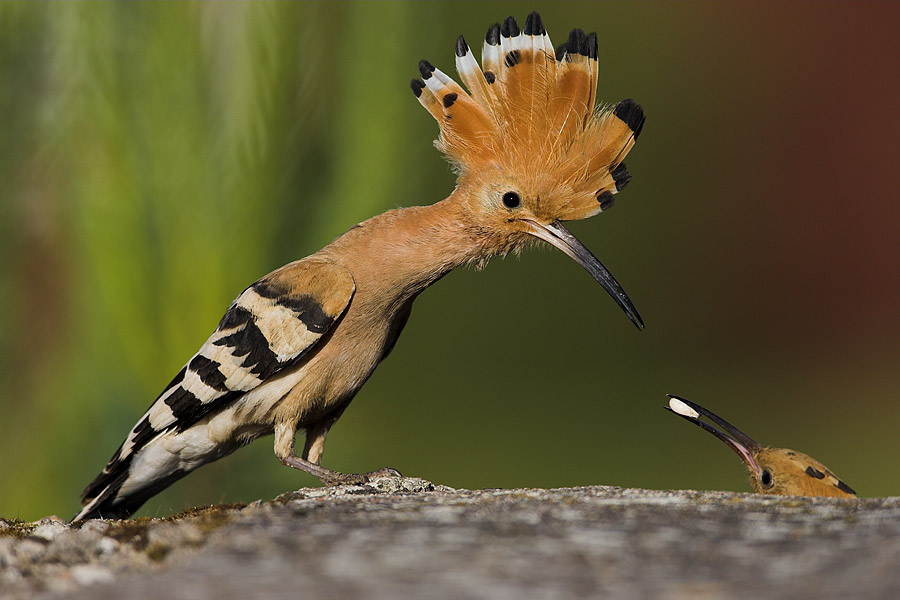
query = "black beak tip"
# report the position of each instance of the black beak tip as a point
(557, 235)
(632, 314)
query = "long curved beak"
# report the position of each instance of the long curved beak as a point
(559, 236)
(738, 441)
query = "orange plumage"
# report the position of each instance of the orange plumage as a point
(295, 347)
(531, 117)
(777, 471)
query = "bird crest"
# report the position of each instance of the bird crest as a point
(530, 111)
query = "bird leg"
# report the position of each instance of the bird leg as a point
(315, 436)
(312, 454)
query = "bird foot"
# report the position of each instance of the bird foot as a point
(332, 478)
(336, 478)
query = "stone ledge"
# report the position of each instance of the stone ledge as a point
(406, 538)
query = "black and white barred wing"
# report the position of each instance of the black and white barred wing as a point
(270, 327)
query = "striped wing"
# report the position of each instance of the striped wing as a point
(270, 327)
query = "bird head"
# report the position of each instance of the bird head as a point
(530, 148)
(772, 470)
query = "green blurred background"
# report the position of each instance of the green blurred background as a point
(158, 157)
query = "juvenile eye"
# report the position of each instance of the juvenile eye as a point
(511, 200)
(766, 478)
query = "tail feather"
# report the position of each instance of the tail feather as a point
(111, 504)
(146, 463)
(155, 461)
(100, 494)
(129, 481)
(98, 505)
(100, 499)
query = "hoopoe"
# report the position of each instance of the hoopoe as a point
(772, 470)
(531, 151)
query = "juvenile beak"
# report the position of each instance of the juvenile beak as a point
(559, 236)
(738, 441)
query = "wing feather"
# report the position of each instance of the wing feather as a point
(270, 327)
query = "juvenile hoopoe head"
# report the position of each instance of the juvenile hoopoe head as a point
(772, 470)
(530, 147)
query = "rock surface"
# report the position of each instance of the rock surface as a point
(405, 538)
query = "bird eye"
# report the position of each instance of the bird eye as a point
(766, 478)
(511, 200)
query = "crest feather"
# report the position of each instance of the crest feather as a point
(531, 110)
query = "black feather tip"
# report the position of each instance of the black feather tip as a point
(462, 48)
(621, 176)
(560, 52)
(533, 24)
(492, 37)
(577, 43)
(417, 86)
(592, 45)
(425, 68)
(631, 113)
(844, 487)
(606, 200)
(510, 27)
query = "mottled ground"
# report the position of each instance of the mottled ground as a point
(409, 539)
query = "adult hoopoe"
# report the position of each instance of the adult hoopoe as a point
(772, 470)
(294, 348)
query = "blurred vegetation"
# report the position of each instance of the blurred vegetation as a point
(155, 158)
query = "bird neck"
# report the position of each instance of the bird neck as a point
(401, 252)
